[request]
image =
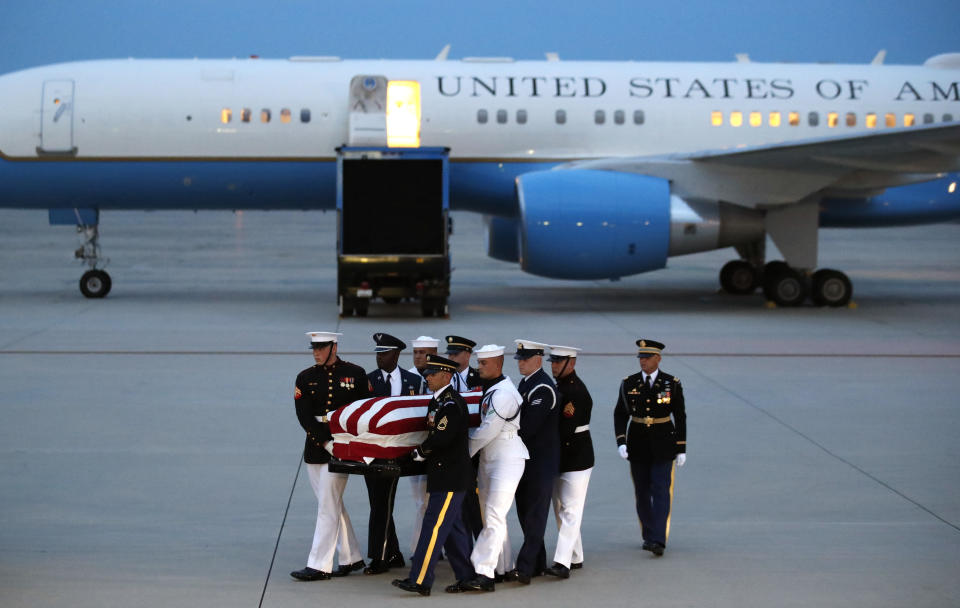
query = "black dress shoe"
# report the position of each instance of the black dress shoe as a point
(499, 578)
(576, 566)
(309, 574)
(458, 587)
(479, 583)
(647, 545)
(396, 561)
(377, 566)
(515, 576)
(345, 569)
(658, 549)
(407, 585)
(558, 570)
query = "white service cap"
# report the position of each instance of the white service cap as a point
(489, 350)
(322, 337)
(563, 351)
(426, 342)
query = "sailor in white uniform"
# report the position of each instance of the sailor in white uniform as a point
(502, 459)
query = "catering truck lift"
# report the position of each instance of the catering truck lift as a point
(392, 228)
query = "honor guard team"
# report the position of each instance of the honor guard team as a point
(532, 447)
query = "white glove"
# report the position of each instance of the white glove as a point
(328, 446)
(681, 458)
(623, 451)
(417, 457)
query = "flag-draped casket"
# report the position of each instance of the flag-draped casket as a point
(385, 427)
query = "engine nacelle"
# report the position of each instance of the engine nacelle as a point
(587, 224)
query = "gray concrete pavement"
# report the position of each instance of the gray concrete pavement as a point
(148, 443)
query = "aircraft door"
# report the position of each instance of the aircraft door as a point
(384, 113)
(56, 132)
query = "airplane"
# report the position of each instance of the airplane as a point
(611, 167)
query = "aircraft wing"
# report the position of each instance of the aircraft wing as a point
(778, 174)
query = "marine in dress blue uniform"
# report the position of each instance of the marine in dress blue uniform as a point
(449, 476)
(539, 429)
(576, 460)
(319, 390)
(650, 423)
(388, 380)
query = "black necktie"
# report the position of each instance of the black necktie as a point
(649, 381)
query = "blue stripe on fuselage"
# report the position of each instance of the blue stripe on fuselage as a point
(485, 187)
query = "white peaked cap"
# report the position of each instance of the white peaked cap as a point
(426, 342)
(531, 345)
(489, 350)
(322, 337)
(563, 351)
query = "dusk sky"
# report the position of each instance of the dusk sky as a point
(838, 31)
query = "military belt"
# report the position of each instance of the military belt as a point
(648, 420)
(322, 419)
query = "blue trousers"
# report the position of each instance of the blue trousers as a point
(653, 483)
(443, 526)
(534, 496)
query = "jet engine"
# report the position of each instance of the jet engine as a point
(589, 224)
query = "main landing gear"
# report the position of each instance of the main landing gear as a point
(95, 283)
(787, 286)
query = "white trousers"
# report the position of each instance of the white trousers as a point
(418, 487)
(497, 484)
(569, 495)
(334, 530)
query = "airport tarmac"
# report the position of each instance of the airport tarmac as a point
(148, 443)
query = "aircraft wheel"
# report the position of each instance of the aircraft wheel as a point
(739, 277)
(831, 288)
(772, 268)
(362, 306)
(787, 287)
(95, 284)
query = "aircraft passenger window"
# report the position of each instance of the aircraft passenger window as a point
(756, 119)
(305, 115)
(501, 117)
(736, 119)
(813, 119)
(226, 115)
(948, 118)
(927, 118)
(891, 119)
(285, 115)
(851, 119)
(871, 120)
(638, 117)
(245, 115)
(909, 120)
(774, 119)
(794, 119)
(561, 117)
(521, 117)
(264, 115)
(599, 117)
(716, 118)
(618, 117)
(832, 119)
(482, 117)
